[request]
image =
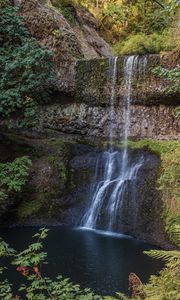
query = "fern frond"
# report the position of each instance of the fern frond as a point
(121, 296)
(165, 255)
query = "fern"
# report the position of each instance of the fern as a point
(121, 296)
(166, 285)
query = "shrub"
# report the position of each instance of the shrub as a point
(26, 72)
(141, 44)
(166, 284)
(13, 176)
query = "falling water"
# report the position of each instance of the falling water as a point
(113, 77)
(114, 173)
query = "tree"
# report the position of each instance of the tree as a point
(26, 73)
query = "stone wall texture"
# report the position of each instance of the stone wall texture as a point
(146, 122)
(93, 83)
(87, 111)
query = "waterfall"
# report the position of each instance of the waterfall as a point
(114, 173)
(113, 77)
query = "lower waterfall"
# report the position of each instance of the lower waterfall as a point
(115, 173)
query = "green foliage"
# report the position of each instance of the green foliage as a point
(28, 262)
(26, 72)
(120, 19)
(177, 112)
(4, 3)
(32, 255)
(28, 208)
(13, 176)
(5, 250)
(140, 44)
(138, 16)
(68, 11)
(67, 8)
(121, 296)
(168, 179)
(172, 75)
(166, 285)
(38, 287)
(150, 21)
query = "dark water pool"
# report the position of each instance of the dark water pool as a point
(92, 259)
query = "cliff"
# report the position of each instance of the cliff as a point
(71, 36)
(74, 127)
(87, 112)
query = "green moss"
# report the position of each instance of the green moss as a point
(53, 160)
(57, 162)
(62, 171)
(168, 179)
(57, 142)
(27, 209)
(158, 147)
(67, 8)
(92, 76)
(60, 145)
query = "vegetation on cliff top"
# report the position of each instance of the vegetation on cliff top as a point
(132, 27)
(26, 73)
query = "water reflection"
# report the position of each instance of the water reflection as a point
(92, 259)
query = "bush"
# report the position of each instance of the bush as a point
(141, 44)
(13, 176)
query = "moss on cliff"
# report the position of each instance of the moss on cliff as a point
(28, 209)
(168, 178)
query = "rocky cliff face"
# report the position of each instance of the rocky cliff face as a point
(156, 122)
(66, 139)
(60, 183)
(93, 84)
(71, 36)
(87, 113)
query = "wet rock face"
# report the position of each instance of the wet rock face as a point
(137, 213)
(88, 111)
(61, 183)
(146, 122)
(58, 182)
(140, 213)
(93, 85)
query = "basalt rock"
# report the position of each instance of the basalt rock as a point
(60, 183)
(157, 121)
(70, 37)
(93, 85)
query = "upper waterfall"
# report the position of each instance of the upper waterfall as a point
(114, 173)
(113, 79)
